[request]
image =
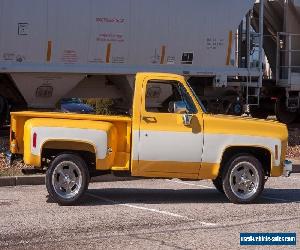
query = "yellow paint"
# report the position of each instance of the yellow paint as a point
(277, 171)
(122, 161)
(229, 48)
(128, 138)
(209, 170)
(70, 116)
(115, 162)
(166, 170)
(169, 167)
(164, 122)
(235, 125)
(232, 125)
(32, 160)
(18, 120)
(62, 144)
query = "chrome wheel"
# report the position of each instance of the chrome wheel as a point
(244, 180)
(67, 180)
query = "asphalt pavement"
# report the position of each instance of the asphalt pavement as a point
(145, 214)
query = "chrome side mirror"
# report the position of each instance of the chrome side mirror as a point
(187, 119)
(179, 107)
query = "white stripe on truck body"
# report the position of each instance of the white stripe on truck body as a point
(186, 146)
(97, 138)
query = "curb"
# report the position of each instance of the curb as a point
(296, 165)
(7, 181)
(296, 168)
(40, 180)
(29, 180)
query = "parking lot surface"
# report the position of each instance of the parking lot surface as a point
(145, 214)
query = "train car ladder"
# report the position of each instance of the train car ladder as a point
(252, 92)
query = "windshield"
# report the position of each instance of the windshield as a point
(197, 98)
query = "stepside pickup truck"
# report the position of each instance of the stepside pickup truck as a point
(168, 135)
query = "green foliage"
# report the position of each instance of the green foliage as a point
(101, 106)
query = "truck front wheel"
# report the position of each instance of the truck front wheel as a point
(243, 179)
(67, 179)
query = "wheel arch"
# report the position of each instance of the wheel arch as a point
(264, 155)
(86, 150)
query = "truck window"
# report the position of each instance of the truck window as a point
(188, 100)
(159, 94)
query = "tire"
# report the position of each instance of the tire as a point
(67, 179)
(243, 179)
(218, 184)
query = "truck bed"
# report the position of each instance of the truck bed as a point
(72, 116)
(121, 123)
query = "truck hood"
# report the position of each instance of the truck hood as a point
(224, 124)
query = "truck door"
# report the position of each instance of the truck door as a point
(164, 145)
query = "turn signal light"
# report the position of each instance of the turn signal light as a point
(34, 138)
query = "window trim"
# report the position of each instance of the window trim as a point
(170, 81)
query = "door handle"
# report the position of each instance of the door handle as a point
(149, 119)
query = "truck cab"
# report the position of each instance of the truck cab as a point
(167, 135)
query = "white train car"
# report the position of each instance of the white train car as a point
(48, 47)
(282, 48)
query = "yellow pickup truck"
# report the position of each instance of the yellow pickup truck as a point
(167, 135)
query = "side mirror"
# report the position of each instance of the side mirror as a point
(187, 119)
(179, 107)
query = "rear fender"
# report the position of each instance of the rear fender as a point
(67, 135)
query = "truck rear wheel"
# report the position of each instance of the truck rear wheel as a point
(67, 179)
(243, 179)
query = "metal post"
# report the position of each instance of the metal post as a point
(236, 59)
(248, 16)
(278, 66)
(261, 43)
(248, 55)
(290, 60)
(240, 39)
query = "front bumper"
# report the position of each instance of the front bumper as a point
(288, 168)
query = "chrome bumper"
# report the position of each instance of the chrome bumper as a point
(288, 168)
